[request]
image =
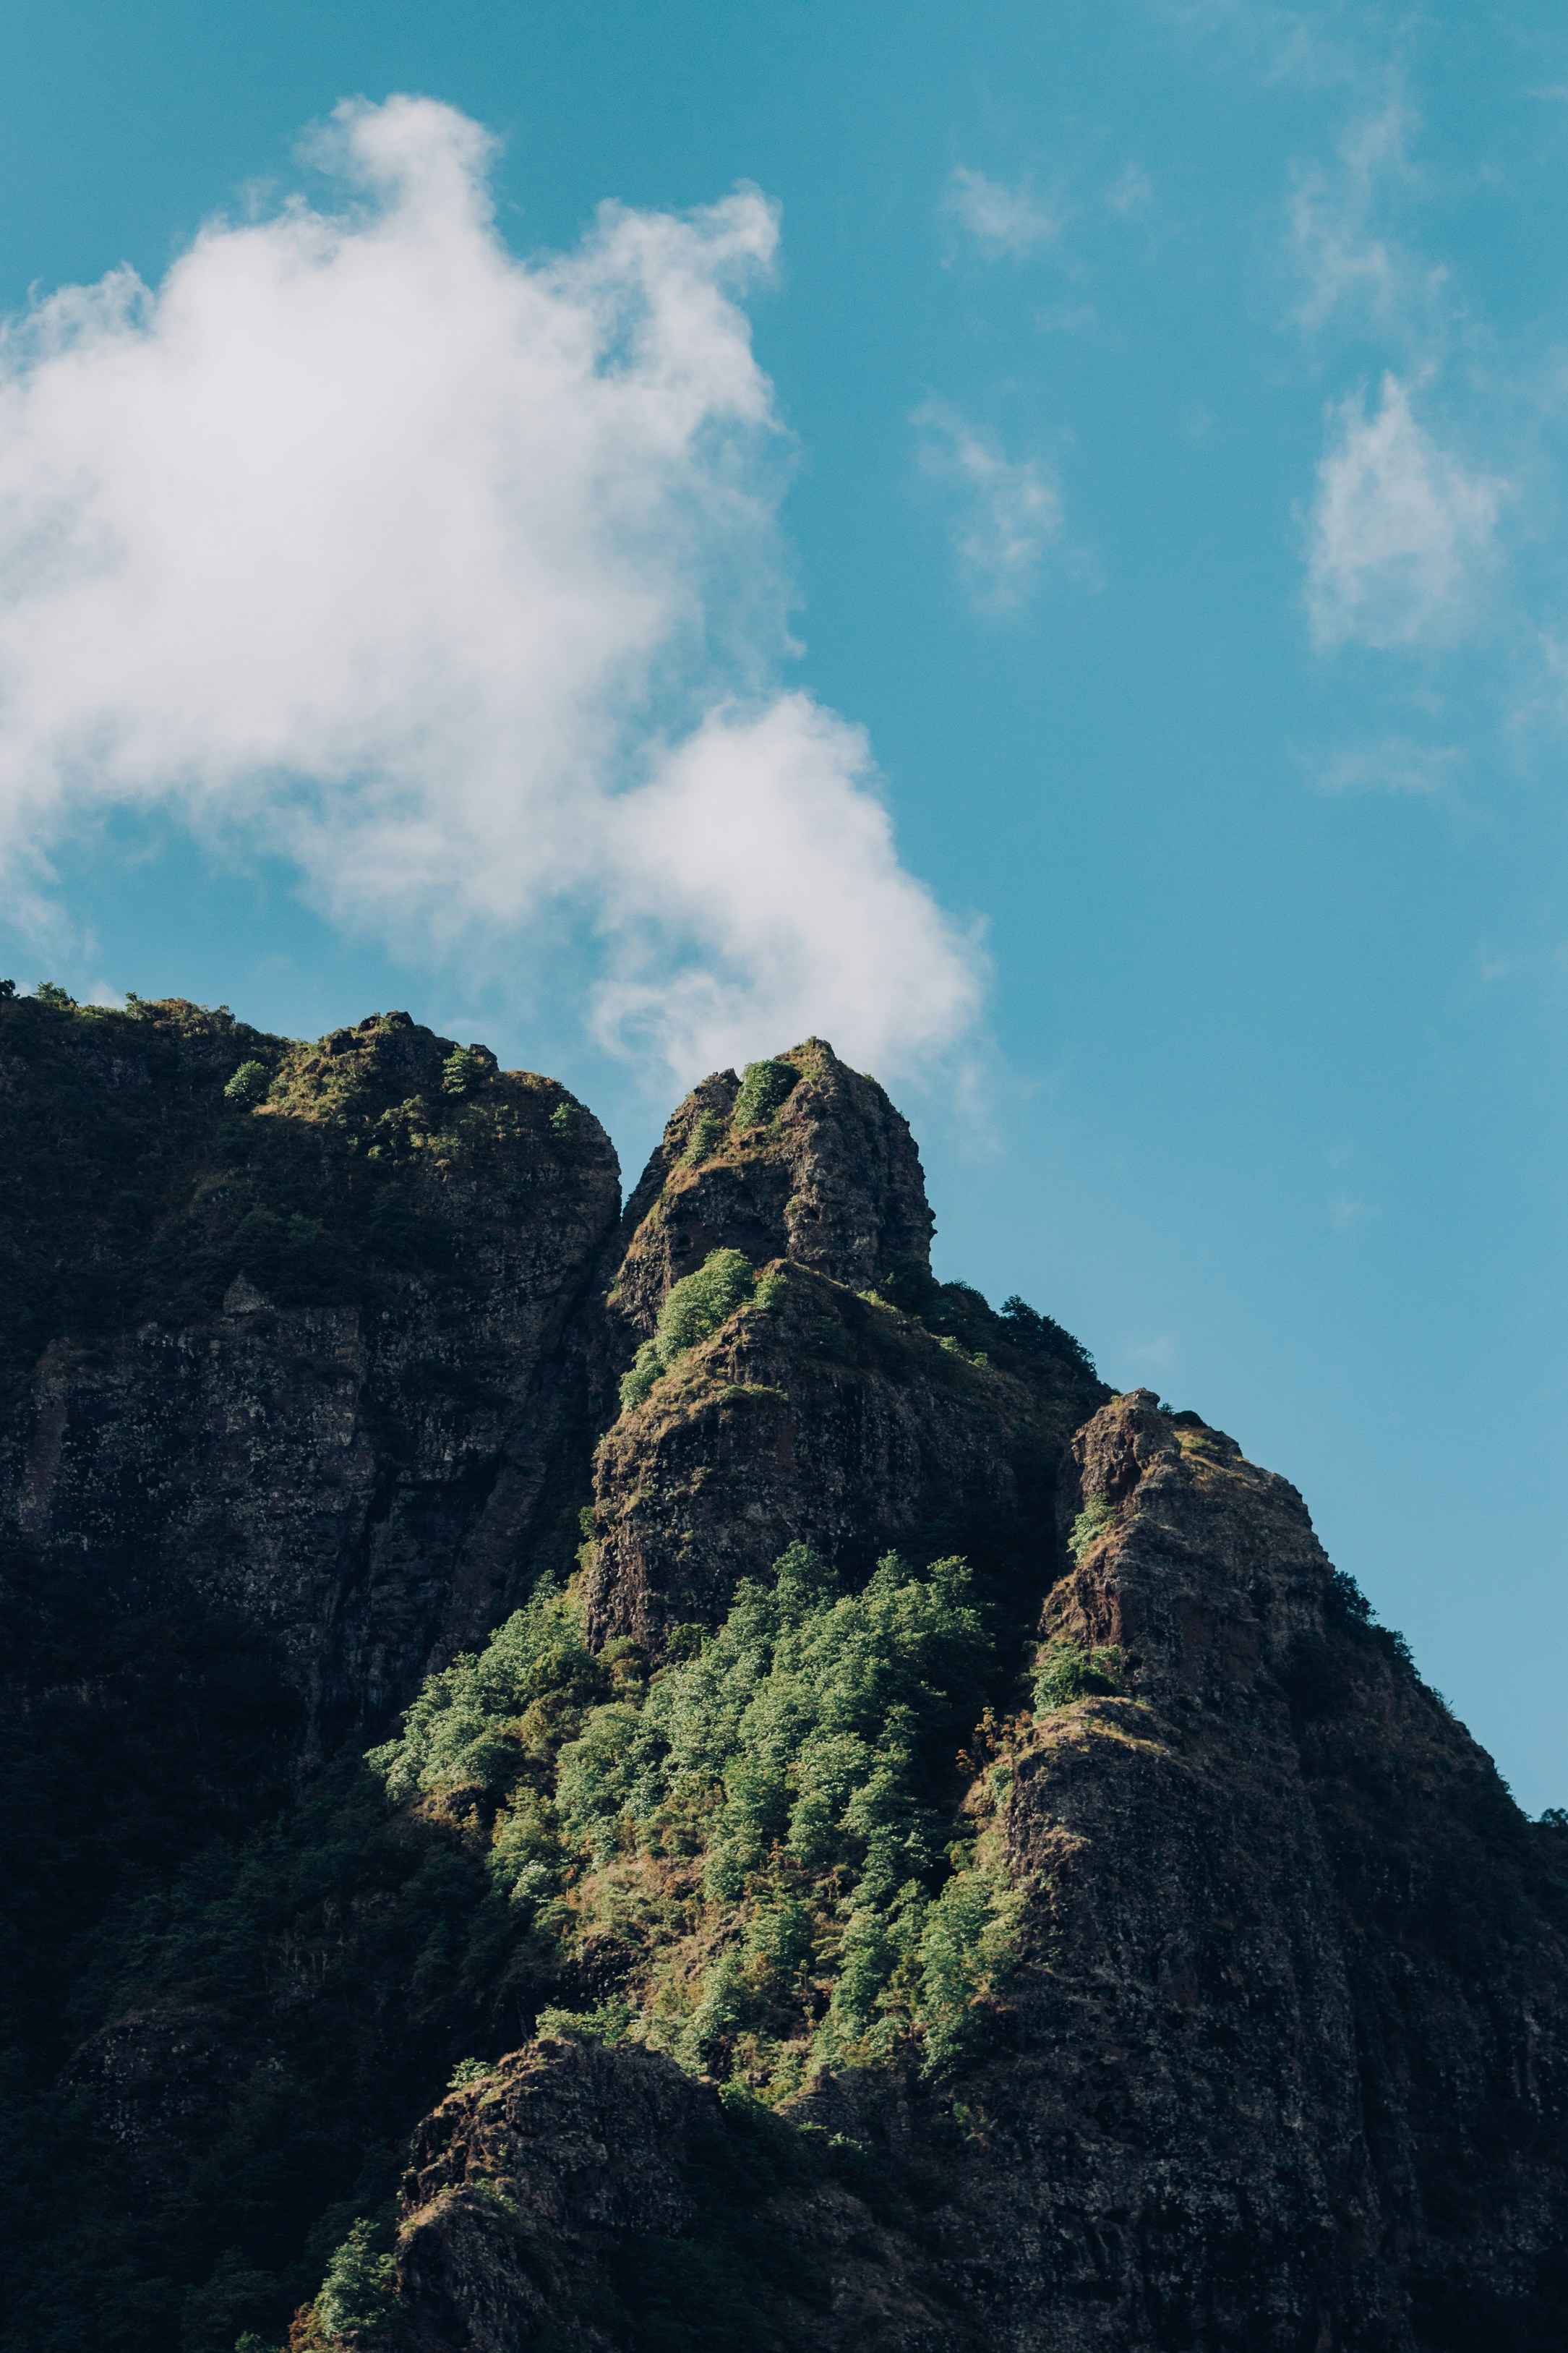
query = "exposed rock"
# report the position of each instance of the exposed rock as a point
(831, 1179)
(833, 1417)
(834, 1420)
(321, 1341)
(1284, 2057)
(161, 2082)
(362, 1435)
(582, 2197)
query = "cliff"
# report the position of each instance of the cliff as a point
(909, 1850)
(300, 1350)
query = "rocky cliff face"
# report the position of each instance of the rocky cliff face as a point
(1212, 1998)
(1283, 2055)
(847, 1413)
(326, 1379)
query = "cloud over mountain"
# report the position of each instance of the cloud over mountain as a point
(455, 577)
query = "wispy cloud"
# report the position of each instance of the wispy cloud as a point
(1008, 510)
(1392, 764)
(1401, 532)
(454, 579)
(1000, 218)
(1132, 193)
(1348, 264)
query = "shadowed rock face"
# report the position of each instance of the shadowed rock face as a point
(585, 2200)
(1278, 2062)
(833, 1420)
(1285, 2059)
(335, 1385)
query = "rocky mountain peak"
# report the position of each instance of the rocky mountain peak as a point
(800, 1158)
(935, 1857)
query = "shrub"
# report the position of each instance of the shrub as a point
(1097, 1513)
(609, 2023)
(645, 1368)
(249, 1084)
(357, 2290)
(764, 1086)
(707, 1134)
(803, 1756)
(465, 1068)
(49, 992)
(1042, 1335)
(692, 1311)
(454, 1735)
(695, 1307)
(564, 1123)
(467, 2072)
(1064, 1674)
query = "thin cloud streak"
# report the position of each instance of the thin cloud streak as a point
(1001, 219)
(1008, 510)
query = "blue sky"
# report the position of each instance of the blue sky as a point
(1098, 650)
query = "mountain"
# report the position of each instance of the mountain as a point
(661, 1780)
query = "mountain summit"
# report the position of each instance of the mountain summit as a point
(664, 1780)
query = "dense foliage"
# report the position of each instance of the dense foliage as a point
(764, 1086)
(692, 1311)
(766, 1829)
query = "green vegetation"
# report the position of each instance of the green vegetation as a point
(1063, 1673)
(357, 2290)
(768, 1827)
(249, 1084)
(467, 2072)
(707, 1132)
(466, 1069)
(692, 1311)
(1098, 1513)
(764, 1086)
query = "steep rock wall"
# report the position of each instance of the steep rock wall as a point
(834, 1420)
(330, 1380)
(868, 1407)
(828, 1177)
(1283, 2059)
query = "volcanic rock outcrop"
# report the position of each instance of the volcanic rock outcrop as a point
(1212, 1997)
(1283, 2059)
(303, 1351)
(846, 1414)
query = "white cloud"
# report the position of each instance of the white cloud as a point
(454, 578)
(1000, 219)
(1400, 532)
(1009, 510)
(779, 802)
(1394, 765)
(1345, 261)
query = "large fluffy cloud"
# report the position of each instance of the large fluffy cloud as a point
(454, 577)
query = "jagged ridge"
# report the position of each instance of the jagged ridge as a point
(1261, 1982)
